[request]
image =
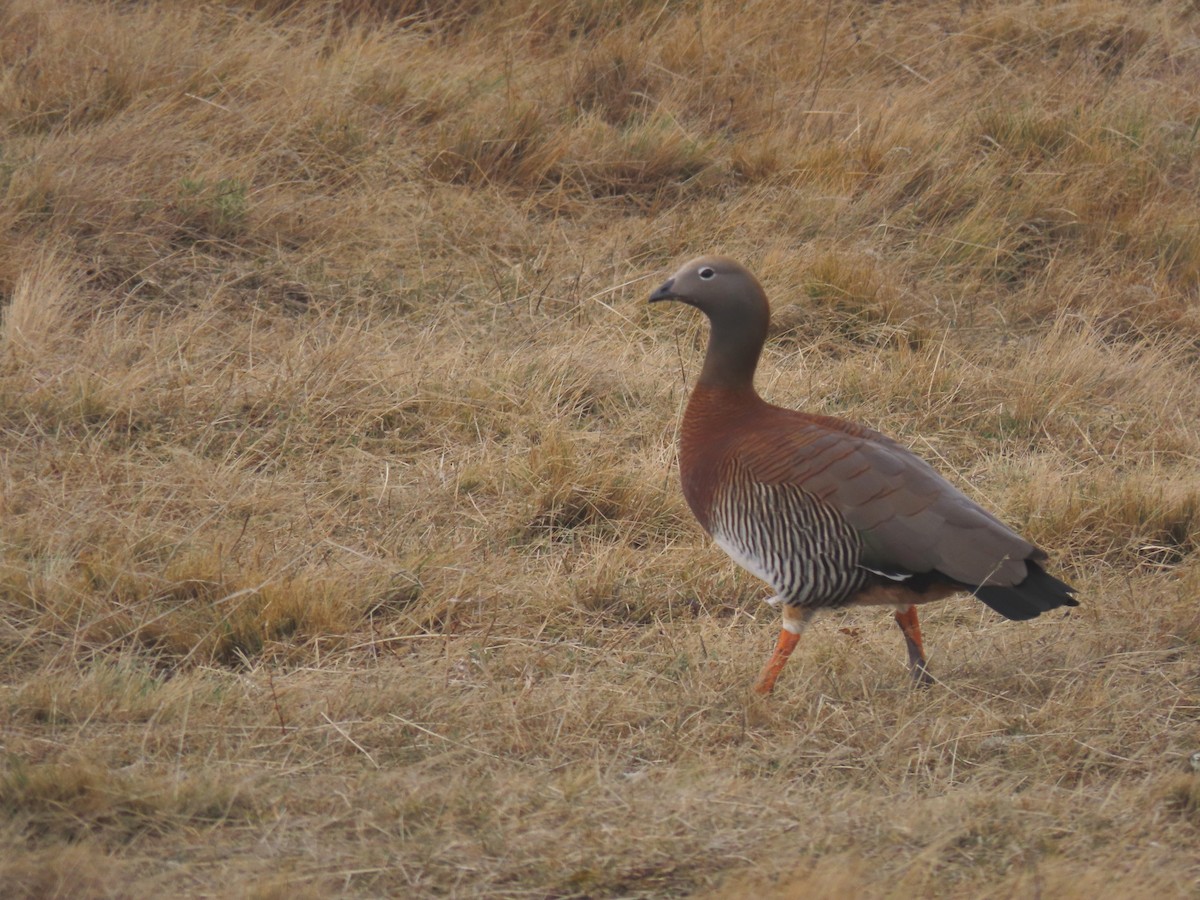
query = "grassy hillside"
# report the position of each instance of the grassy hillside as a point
(341, 546)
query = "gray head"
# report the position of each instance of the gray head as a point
(737, 311)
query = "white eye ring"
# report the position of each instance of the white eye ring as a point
(707, 273)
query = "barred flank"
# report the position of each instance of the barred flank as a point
(808, 551)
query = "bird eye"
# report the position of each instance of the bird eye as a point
(706, 273)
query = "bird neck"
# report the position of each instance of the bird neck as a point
(716, 411)
(733, 351)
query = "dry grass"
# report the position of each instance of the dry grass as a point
(341, 547)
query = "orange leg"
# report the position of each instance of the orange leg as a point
(907, 620)
(794, 620)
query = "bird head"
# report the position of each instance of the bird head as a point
(718, 286)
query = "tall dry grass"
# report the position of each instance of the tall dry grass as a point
(341, 551)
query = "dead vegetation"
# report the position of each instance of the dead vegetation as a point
(341, 550)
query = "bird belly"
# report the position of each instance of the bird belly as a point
(746, 560)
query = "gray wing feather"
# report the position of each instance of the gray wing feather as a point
(909, 516)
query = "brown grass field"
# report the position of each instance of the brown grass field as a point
(341, 546)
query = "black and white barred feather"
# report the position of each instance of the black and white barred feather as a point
(801, 546)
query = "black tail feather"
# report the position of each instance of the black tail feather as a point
(1038, 593)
